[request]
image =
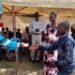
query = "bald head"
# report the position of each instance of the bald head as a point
(63, 27)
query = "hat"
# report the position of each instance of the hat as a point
(37, 14)
(32, 15)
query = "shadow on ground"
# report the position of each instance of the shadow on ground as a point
(25, 68)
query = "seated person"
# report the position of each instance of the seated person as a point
(11, 52)
(9, 44)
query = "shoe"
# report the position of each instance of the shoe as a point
(33, 61)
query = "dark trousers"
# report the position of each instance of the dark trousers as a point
(63, 73)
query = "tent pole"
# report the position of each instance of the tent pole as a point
(16, 51)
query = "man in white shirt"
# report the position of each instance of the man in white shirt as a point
(36, 28)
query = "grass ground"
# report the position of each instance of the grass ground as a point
(25, 68)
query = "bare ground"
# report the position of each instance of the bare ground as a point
(25, 68)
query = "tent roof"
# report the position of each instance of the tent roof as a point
(44, 7)
(23, 10)
(65, 10)
(42, 3)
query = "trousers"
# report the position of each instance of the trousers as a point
(36, 39)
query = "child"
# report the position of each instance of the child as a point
(50, 68)
(50, 65)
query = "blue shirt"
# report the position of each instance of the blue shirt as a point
(65, 58)
(17, 39)
(11, 45)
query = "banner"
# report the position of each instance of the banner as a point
(0, 7)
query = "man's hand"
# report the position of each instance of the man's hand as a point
(33, 47)
(24, 44)
(37, 30)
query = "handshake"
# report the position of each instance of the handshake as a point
(33, 47)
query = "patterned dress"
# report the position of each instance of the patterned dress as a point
(48, 57)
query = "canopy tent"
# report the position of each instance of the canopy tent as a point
(42, 6)
(65, 10)
(21, 11)
(43, 3)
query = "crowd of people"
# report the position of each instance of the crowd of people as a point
(58, 45)
(56, 40)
